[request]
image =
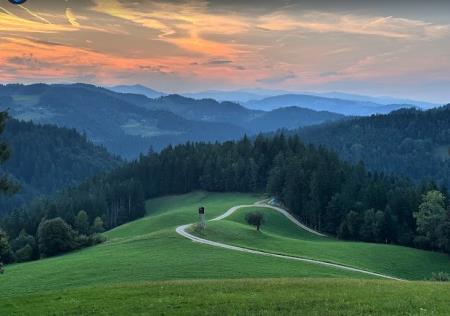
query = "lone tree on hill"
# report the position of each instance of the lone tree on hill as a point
(255, 219)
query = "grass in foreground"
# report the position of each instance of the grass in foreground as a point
(127, 274)
(280, 235)
(242, 297)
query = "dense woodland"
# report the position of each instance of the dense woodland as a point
(45, 159)
(332, 196)
(408, 142)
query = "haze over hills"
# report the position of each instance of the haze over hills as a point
(138, 89)
(240, 96)
(346, 107)
(251, 96)
(129, 124)
(385, 100)
(267, 100)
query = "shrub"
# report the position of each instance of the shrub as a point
(55, 236)
(98, 225)
(97, 239)
(24, 254)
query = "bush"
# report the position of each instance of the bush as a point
(81, 241)
(19, 245)
(55, 236)
(97, 239)
(440, 276)
(24, 254)
(98, 225)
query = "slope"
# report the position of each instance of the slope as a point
(127, 274)
(149, 249)
(408, 142)
(108, 118)
(280, 235)
(46, 158)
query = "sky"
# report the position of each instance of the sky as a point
(397, 48)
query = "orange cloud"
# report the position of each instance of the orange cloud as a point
(24, 58)
(182, 25)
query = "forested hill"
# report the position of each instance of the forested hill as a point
(130, 124)
(409, 142)
(324, 192)
(46, 158)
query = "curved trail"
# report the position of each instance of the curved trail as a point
(181, 230)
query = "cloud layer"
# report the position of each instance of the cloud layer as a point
(193, 45)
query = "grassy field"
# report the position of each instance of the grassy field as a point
(242, 297)
(149, 249)
(146, 268)
(282, 236)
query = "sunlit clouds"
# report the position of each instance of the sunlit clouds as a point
(72, 18)
(197, 45)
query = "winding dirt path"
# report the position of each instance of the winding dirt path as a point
(181, 230)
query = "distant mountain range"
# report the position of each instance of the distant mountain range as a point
(266, 100)
(248, 97)
(129, 124)
(384, 100)
(346, 107)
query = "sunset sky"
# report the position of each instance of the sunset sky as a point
(400, 49)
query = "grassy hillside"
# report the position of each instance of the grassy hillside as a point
(128, 274)
(282, 236)
(149, 249)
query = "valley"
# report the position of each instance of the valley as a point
(129, 124)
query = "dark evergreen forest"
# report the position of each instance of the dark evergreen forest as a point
(332, 196)
(45, 159)
(408, 142)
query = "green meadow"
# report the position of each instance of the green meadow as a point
(280, 235)
(145, 267)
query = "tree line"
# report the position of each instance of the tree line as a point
(327, 194)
